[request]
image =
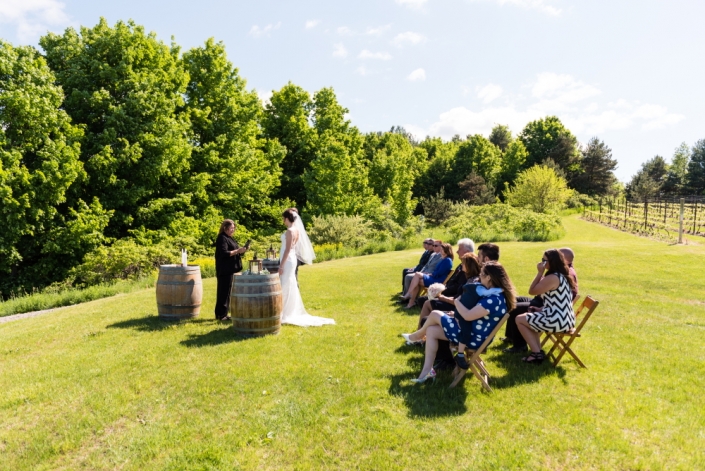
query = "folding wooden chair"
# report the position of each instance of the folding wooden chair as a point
(477, 366)
(558, 339)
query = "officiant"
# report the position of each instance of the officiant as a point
(228, 261)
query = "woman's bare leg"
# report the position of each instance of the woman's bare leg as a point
(425, 311)
(532, 337)
(433, 319)
(433, 335)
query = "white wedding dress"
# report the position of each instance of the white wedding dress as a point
(293, 311)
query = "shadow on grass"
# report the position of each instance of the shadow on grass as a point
(430, 399)
(517, 372)
(214, 337)
(153, 323)
(399, 307)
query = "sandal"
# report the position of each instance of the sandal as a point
(535, 357)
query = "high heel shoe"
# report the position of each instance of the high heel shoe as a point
(408, 339)
(431, 375)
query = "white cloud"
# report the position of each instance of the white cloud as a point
(312, 24)
(412, 3)
(362, 70)
(489, 93)
(380, 30)
(344, 31)
(545, 6)
(339, 50)
(365, 54)
(32, 17)
(408, 37)
(264, 95)
(258, 32)
(418, 75)
(572, 100)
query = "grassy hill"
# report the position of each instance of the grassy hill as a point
(106, 385)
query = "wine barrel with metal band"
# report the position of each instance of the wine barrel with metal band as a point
(179, 292)
(256, 304)
(271, 264)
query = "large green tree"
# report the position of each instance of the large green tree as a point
(44, 229)
(677, 177)
(394, 165)
(124, 87)
(696, 169)
(336, 180)
(513, 160)
(596, 175)
(287, 119)
(233, 169)
(548, 138)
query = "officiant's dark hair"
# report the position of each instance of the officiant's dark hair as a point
(290, 214)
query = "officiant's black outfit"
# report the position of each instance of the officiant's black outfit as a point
(225, 267)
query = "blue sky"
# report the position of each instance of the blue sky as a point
(629, 72)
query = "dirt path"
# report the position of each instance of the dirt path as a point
(25, 315)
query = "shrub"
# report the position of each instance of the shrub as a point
(540, 189)
(501, 222)
(350, 231)
(579, 200)
(123, 260)
(438, 210)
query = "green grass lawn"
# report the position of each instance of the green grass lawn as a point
(106, 385)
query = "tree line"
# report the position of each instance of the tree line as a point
(108, 133)
(683, 176)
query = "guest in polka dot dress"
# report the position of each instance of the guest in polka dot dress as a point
(484, 317)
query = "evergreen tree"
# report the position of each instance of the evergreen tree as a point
(501, 136)
(696, 169)
(597, 173)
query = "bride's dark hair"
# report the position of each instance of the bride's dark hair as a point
(290, 214)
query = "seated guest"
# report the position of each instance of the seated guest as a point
(467, 272)
(526, 304)
(488, 253)
(554, 284)
(433, 261)
(428, 250)
(457, 279)
(441, 326)
(439, 275)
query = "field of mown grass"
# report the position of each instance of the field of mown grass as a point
(106, 385)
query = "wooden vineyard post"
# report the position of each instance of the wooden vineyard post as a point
(695, 214)
(646, 212)
(680, 224)
(625, 212)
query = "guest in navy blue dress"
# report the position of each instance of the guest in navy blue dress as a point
(439, 275)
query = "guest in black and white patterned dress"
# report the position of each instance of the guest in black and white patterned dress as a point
(554, 284)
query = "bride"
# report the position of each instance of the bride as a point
(295, 246)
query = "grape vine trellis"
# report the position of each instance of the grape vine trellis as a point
(652, 217)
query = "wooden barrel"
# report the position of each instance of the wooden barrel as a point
(271, 264)
(256, 304)
(179, 292)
